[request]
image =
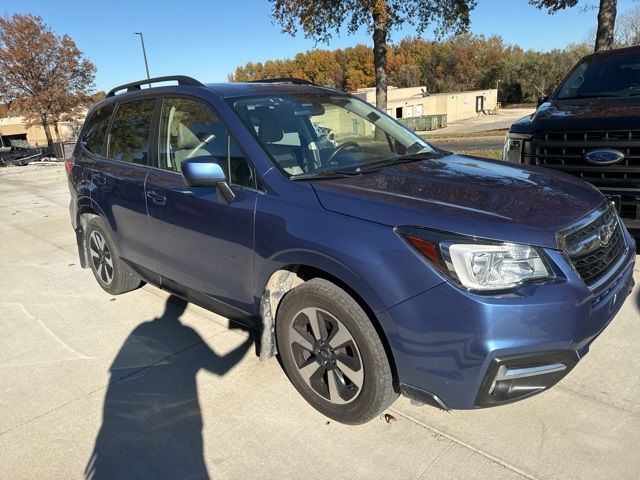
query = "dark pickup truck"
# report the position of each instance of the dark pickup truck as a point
(590, 128)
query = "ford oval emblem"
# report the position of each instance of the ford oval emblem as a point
(604, 156)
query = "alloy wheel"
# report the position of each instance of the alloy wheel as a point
(101, 257)
(326, 355)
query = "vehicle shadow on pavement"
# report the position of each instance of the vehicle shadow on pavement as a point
(152, 423)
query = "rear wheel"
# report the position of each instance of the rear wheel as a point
(105, 263)
(332, 353)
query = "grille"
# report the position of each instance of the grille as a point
(565, 152)
(596, 246)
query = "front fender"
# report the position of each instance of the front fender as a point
(368, 257)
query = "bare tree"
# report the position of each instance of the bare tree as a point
(606, 18)
(320, 18)
(42, 75)
(628, 28)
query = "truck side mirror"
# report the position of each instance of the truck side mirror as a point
(542, 100)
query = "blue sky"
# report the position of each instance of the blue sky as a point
(207, 39)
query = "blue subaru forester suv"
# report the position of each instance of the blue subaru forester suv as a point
(371, 262)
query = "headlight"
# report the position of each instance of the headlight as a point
(513, 146)
(479, 265)
(496, 267)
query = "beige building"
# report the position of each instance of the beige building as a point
(401, 103)
(414, 102)
(13, 130)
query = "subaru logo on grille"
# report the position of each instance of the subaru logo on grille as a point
(605, 232)
(598, 233)
(605, 156)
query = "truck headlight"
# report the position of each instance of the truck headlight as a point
(513, 146)
(479, 265)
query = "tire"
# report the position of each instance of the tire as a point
(332, 353)
(104, 261)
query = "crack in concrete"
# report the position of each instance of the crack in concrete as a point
(597, 400)
(468, 446)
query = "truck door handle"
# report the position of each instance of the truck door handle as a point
(157, 197)
(99, 178)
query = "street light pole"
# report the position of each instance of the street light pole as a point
(144, 53)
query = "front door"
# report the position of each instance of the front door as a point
(201, 242)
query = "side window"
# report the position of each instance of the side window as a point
(95, 129)
(192, 129)
(129, 135)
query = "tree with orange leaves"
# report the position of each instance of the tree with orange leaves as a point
(42, 75)
(320, 18)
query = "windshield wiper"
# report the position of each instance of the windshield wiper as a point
(367, 168)
(412, 157)
(324, 174)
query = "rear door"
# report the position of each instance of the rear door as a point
(90, 148)
(119, 180)
(200, 242)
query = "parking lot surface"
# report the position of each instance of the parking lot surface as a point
(137, 387)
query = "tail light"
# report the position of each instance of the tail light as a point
(69, 164)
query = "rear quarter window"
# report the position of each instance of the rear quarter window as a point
(129, 135)
(95, 129)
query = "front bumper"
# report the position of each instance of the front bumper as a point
(460, 350)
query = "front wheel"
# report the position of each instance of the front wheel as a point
(332, 353)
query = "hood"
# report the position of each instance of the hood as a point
(465, 195)
(585, 114)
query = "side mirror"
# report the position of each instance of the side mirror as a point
(542, 100)
(207, 172)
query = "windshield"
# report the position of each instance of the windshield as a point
(316, 132)
(603, 76)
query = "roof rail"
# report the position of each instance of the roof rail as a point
(295, 81)
(181, 79)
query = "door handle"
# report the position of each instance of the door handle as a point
(99, 178)
(157, 197)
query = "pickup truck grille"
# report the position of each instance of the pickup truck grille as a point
(565, 152)
(596, 246)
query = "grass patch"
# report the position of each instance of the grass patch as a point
(495, 153)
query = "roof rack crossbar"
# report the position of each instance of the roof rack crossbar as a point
(181, 79)
(295, 81)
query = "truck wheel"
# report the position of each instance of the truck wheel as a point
(105, 263)
(332, 353)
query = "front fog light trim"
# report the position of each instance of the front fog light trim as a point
(514, 377)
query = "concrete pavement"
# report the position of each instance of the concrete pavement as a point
(135, 387)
